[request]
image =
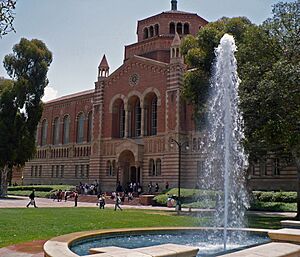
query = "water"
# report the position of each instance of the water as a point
(210, 244)
(226, 161)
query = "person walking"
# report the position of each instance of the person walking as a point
(118, 202)
(102, 201)
(75, 198)
(156, 187)
(32, 201)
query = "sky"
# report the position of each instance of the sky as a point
(79, 32)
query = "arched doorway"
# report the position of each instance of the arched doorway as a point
(129, 171)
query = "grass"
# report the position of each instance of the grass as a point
(23, 225)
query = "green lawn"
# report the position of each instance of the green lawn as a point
(23, 225)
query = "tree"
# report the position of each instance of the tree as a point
(20, 104)
(268, 66)
(270, 93)
(199, 56)
(7, 17)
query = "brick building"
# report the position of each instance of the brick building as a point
(122, 130)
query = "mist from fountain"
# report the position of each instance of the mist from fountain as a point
(226, 162)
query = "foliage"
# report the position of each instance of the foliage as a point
(270, 196)
(41, 188)
(45, 191)
(269, 69)
(273, 206)
(200, 204)
(188, 196)
(199, 56)
(20, 103)
(41, 194)
(45, 223)
(7, 16)
(285, 27)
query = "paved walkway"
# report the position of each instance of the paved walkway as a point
(21, 202)
(35, 248)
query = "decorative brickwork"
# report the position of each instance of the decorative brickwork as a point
(120, 132)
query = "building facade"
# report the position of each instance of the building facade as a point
(121, 131)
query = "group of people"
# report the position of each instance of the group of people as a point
(59, 195)
(118, 196)
(86, 189)
(156, 187)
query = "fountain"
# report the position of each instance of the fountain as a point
(226, 161)
(225, 168)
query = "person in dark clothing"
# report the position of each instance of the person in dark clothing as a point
(156, 187)
(75, 198)
(32, 201)
(118, 202)
(167, 185)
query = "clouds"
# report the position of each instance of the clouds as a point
(50, 94)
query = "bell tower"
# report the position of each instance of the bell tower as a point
(174, 5)
(103, 68)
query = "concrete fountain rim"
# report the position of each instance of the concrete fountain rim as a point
(60, 246)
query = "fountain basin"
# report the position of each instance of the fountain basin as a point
(62, 245)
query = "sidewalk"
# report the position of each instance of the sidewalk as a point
(21, 202)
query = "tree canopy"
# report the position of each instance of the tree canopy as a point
(7, 16)
(268, 65)
(20, 101)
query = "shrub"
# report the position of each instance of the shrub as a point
(40, 190)
(286, 197)
(273, 206)
(188, 196)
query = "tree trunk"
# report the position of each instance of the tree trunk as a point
(3, 181)
(297, 159)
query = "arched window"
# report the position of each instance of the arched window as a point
(110, 168)
(179, 28)
(150, 115)
(154, 116)
(55, 136)
(156, 29)
(146, 33)
(158, 167)
(172, 28)
(186, 28)
(113, 168)
(121, 121)
(151, 31)
(134, 117)
(80, 128)
(151, 167)
(44, 132)
(90, 127)
(66, 130)
(138, 115)
(118, 119)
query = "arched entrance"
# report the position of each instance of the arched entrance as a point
(129, 170)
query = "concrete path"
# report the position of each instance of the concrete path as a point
(21, 202)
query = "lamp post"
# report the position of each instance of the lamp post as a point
(180, 145)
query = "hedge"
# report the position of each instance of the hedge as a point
(38, 188)
(270, 196)
(189, 196)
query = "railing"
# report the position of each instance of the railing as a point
(68, 151)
